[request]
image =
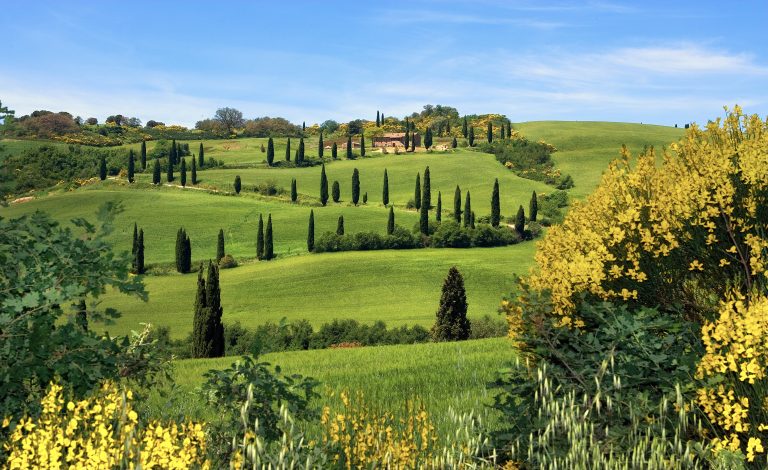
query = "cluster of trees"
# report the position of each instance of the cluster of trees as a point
(207, 328)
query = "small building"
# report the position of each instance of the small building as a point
(396, 139)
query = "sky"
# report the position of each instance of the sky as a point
(177, 62)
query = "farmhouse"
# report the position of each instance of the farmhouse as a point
(396, 139)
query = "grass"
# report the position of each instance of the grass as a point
(400, 287)
(585, 148)
(441, 375)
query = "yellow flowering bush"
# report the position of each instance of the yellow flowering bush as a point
(733, 370)
(657, 234)
(102, 431)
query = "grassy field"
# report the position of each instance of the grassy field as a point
(585, 148)
(441, 375)
(400, 287)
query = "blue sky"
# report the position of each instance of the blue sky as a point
(650, 61)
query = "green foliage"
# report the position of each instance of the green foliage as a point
(45, 268)
(457, 205)
(300, 155)
(490, 132)
(426, 193)
(439, 209)
(532, 160)
(471, 138)
(454, 143)
(270, 151)
(102, 168)
(391, 221)
(294, 192)
(335, 151)
(269, 250)
(467, 211)
(169, 171)
(194, 172)
(428, 138)
(452, 323)
(238, 184)
(520, 221)
(417, 192)
(400, 238)
(200, 157)
(207, 328)
(265, 390)
(288, 150)
(340, 226)
(320, 146)
(495, 205)
(143, 155)
(324, 184)
(183, 173)
(220, 246)
(336, 192)
(183, 252)
(156, 172)
(311, 232)
(362, 145)
(131, 167)
(260, 239)
(533, 207)
(227, 262)
(464, 130)
(47, 165)
(355, 186)
(349, 148)
(424, 217)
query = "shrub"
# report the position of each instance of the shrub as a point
(227, 262)
(451, 235)
(268, 188)
(488, 327)
(486, 235)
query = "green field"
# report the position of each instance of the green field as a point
(441, 375)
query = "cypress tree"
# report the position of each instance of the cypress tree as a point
(220, 246)
(520, 221)
(335, 192)
(300, 159)
(490, 132)
(417, 192)
(201, 156)
(340, 226)
(194, 171)
(288, 150)
(391, 221)
(294, 194)
(174, 152)
(424, 216)
(311, 232)
(533, 208)
(457, 205)
(323, 185)
(502, 134)
(140, 253)
(464, 128)
(320, 146)
(214, 328)
(135, 244)
(467, 211)
(378, 123)
(439, 209)
(200, 319)
(156, 172)
(131, 168)
(472, 220)
(362, 144)
(349, 147)
(169, 172)
(143, 155)
(270, 151)
(260, 239)
(509, 129)
(452, 323)
(385, 189)
(103, 169)
(187, 253)
(382, 118)
(495, 205)
(428, 138)
(426, 192)
(183, 172)
(407, 138)
(179, 250)
(365, 197)
(303, 127)
(454, 143)
(355, 186)
(269, 249)
(471, 136)
(334, 151)
(238, 184)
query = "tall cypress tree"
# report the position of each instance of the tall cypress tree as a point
(200, 320)
(355, 186)
(428, 138)
(464, 130)
(426, 192)
(269, 249)
(194, 171)
(238, 184)
(382, 118)
(349, 147)
(502, 134)
(335, 191)
(294, 194)
(391, 221)
(365, 197)
(311, 231)
(270, 151)
(201, 156)
(140, 253)
(385, 189)
(362, 144)
(183, 172)
(156, 172)
(472, 220)
(454, 143)
(407, 138)
(471, 137)
(424, 216)
(214, 327)
(174, 155)
(533, 208)
(520, 221)
(378, 123)
(300, 159)
(417, 192)
(457, 205)
(303, 127)
(495, 205)
(131, 168)
(169, 172)
(452, 323)
(187, 259)
(288, 150)
(220, 246)
(320, 146)
(509, 129)
(323, 186)
(467, 211)
(439, 209)
(103, 169)
(143, 155)
(135, 244)
(340, 226)
(260, 239)
(334, 151)
(490, 132)
(183, 251)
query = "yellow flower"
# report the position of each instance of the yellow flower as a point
(696, 266)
